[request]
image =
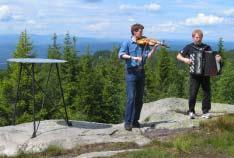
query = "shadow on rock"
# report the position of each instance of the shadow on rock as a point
(86, 125)
(153, 124)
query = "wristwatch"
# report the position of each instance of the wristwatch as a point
(130, 57)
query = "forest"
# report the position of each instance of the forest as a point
(94, 84)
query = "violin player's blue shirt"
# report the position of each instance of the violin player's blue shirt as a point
(130, 47)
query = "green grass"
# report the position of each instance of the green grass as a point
(55, 151)
(215, 139)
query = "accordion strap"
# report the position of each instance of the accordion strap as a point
(200, 49)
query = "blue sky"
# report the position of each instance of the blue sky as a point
(163, 19)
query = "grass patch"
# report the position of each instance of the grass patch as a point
(55, 151)
(147, 119)
(148, 153)
(215, 139)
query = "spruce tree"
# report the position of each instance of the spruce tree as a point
(54, 51)
(49, 73)
(70, 71)
(151, 90)
(225, 86)
(24, 106)
(163, 72)
(113, 93)
(90, 91)
(221, 47)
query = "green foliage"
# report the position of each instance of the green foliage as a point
(9, 85)
(54, 51)
(90, 86)
(210, 141)
(163, 71)
(94, 84)
(163, 78)
(151, 89)
(221, 47)
(113, 98)
(226, 85)
(70, 70)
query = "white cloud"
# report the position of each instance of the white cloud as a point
(5, 13)
(148, 7)
(166, 27)
(18, 17)
(202, 19)
(127, 7)
(99, 26)
(152, 6)
(89, 6)
(131, 19)
(229, 12)
(92, 1)
(31, 22)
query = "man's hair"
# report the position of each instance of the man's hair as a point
(197, 31)
(136, 27)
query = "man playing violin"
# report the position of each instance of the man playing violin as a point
(135, 56)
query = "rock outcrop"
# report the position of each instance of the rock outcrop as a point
(167, 113)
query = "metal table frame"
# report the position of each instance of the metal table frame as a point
(23, 62)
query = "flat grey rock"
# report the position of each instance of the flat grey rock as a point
(162, 114)
(55, 132)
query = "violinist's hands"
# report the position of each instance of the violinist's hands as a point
(138, 59)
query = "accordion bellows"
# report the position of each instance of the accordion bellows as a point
(204, 63)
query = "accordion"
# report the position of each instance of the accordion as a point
(204, 63)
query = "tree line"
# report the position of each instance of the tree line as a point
(94, 84)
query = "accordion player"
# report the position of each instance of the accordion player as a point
(204, 62)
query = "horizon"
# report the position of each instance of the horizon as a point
(115, 39)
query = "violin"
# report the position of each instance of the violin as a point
(151, 42)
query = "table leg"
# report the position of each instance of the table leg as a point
(62, 94)
(33, 93)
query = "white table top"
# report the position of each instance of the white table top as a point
(35, 60)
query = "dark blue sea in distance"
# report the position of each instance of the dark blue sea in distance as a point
(41, 43)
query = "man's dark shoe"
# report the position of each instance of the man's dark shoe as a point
(136, 125)
(128, 127)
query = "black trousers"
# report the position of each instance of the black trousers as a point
(194, 83)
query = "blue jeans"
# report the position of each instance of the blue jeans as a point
(135, 89)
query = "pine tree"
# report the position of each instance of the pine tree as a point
(113, 93)
(5, 109)
(24, 106)
(70, 71)
(225, 85)
(177, 83)
(221, 47)
(90, 91)
(151, 91)
(214, 80)
(49, 70)
(164, 72)
(54, 51)
(101, 96)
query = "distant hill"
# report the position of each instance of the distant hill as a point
(41, 42)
